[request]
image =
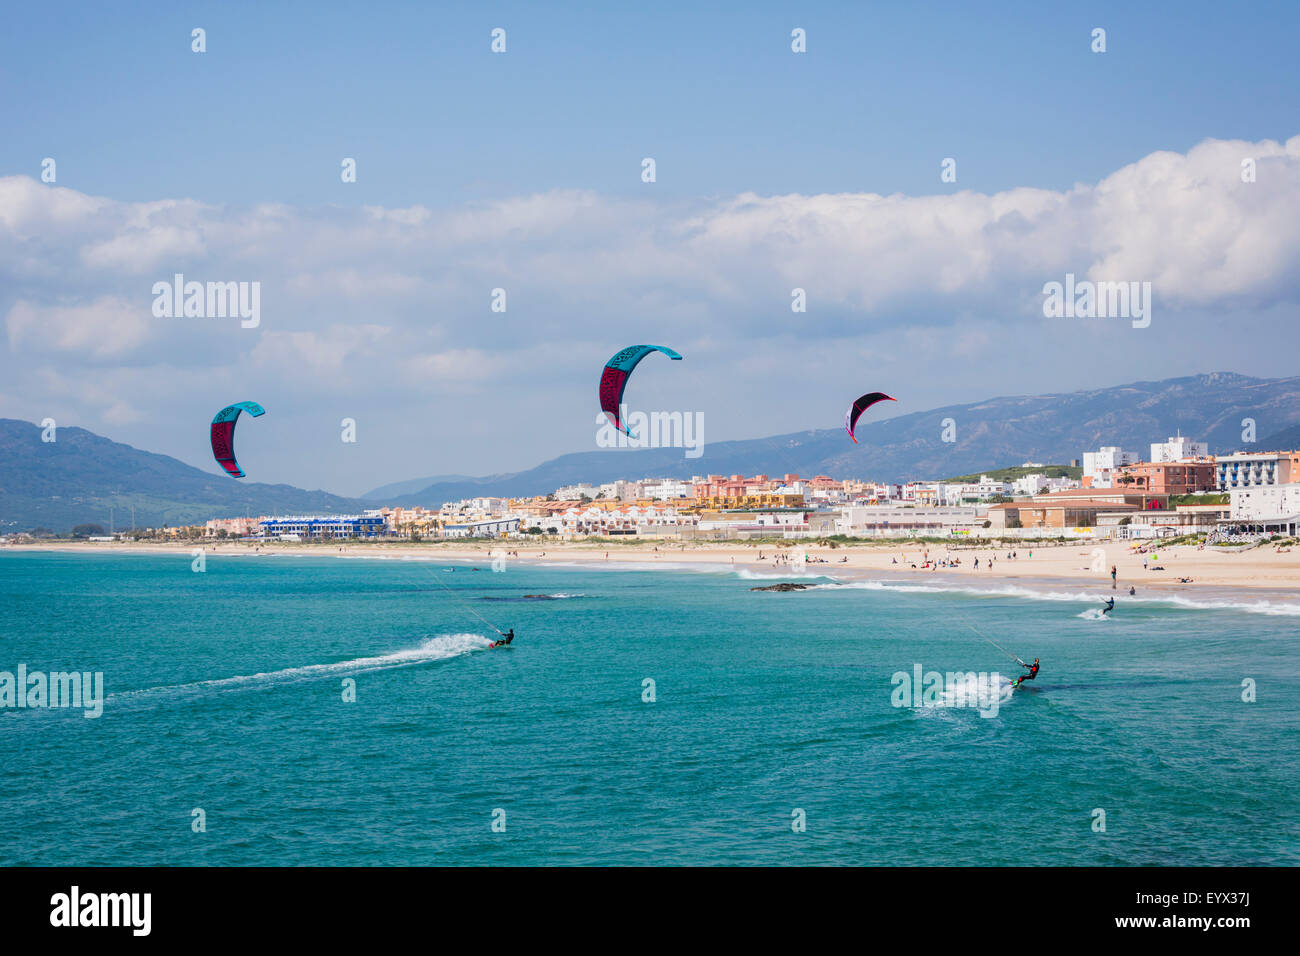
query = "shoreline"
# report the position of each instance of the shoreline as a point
(1071, 564)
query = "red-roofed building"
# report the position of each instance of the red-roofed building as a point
(1167, 477)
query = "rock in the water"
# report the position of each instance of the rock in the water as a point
(783, 586)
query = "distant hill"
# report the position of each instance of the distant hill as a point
(1288, 439)
(1019, 471)
(1054, 427)
(386, 492)
(81, 476)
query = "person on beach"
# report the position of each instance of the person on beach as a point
(1132, 590)
(1033, 672)
(1113, 574)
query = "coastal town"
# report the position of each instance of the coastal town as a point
(561, 437)
(1178, 489)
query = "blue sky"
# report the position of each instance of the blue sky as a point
(522, 171)
(585, 90)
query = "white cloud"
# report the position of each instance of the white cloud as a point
(392, 305)
(333, 351)
(28, 208)
(142, 250)
(106, 328)
(1186, 223)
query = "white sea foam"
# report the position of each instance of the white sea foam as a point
(1094, 614)
(1077, 597)
(975, 690)
(745, 574)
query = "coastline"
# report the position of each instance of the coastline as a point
(1072, 564)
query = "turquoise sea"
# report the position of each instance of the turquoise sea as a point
(225, 693)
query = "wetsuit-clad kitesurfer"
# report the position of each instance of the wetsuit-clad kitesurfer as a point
(1110, 606)
(506, 638)
(1033, 672)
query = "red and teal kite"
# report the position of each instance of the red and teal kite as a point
(614, 379)
(223, 435)
(861, 405)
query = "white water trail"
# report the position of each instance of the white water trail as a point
(1094, 614)
(438, 648)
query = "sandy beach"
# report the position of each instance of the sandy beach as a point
(1157, 569)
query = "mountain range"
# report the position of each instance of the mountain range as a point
(989, 434)
(83, 477)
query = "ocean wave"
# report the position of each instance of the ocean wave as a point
(745, 574)
(1275, 608)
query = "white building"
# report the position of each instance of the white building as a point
(477, 507)
(872, 492)
(666, 489)
(619, 490)
(576, 492)
(784, 519)
(1034, 484)
(1101, 465)
(481, 529)
(629, 519)
(923, 493)
(1177, 449)
(886, 520)
(1052, 484)
(1255, 469)
(1273, 507)
(985, 488)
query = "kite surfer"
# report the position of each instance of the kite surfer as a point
(1033, 672)
(506, 638)
(1033, 669)
(1110, 606)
